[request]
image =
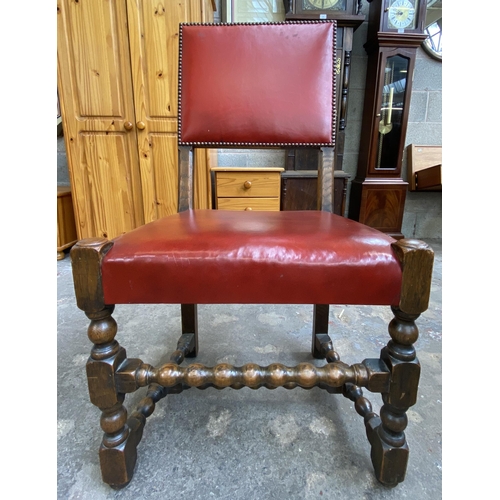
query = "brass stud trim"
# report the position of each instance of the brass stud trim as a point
(223, 144)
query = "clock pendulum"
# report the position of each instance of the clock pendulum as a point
(385, 125)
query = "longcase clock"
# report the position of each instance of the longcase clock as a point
(299, 180)
(378, 193)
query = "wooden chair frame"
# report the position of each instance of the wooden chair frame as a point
(394, 374)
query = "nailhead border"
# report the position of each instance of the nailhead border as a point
(259, 144)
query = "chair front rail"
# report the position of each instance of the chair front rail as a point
(133, 374)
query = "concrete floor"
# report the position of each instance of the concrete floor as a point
(244, 444)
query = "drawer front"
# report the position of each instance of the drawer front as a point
(272, 204)
(243, 184)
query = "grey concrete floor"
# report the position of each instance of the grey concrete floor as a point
(245, 444)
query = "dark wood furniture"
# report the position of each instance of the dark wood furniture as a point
(378, 192)
(268, 257)
(299, 189)
(301, 167)
(424, 165)
(66, 228)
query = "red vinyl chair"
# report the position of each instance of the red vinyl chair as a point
(252, 86)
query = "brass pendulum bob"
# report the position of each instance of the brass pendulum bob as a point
(385, 125)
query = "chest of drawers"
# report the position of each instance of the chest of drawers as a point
(247, 188)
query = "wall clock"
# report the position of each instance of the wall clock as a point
(252, 11)
(322, 9)
(323, 4)
(378, 192)
(396, 16)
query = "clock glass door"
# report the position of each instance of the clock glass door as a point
(391, 112)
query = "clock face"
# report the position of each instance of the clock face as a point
(323, 4)
(402, 14)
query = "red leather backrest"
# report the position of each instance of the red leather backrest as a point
(257, 84)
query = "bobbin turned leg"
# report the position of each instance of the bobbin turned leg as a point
(389, 451)
(117, 453)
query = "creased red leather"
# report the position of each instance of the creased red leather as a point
(262, 83)
(287, 257)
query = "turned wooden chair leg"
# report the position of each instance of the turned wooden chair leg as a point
(390, 451)
(117, 453)
(118, 450)
(189, 318)
(320, 327)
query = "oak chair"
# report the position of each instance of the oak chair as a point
(238, 87)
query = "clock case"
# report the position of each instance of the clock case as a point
(299, 180)
(378, 19)
(378, 195)
(345, 17)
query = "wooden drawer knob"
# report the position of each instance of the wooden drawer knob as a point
(140, 125)
(247, 184)
(128, 125)
(248, 208)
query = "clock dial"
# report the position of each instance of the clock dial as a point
(402, 14)
(323, 4)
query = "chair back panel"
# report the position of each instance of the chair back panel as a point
(269, 84)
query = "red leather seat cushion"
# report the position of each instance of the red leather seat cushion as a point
(257, 84)
(287, 257)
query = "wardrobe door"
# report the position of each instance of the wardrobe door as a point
(154, 49)
(95, 90)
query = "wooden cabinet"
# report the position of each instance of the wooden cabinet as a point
(66, 230)
(117, 83)
(247, 188)
(301, 168)
(424, 168)
(299, 190)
